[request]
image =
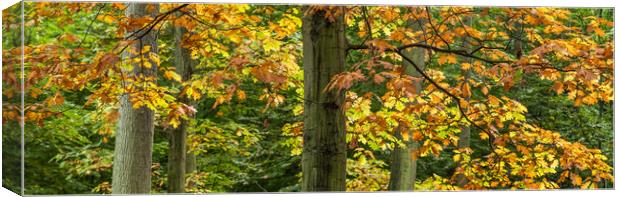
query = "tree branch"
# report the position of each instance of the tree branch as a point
(454, 97)
(368, 29)
(430, 21)
(154, 23)
(437, 49)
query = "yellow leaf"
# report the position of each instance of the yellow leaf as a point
(484, 136)
(456, 157)
(147, 64)
(155, 58)
(271, 45)
(145, 49)
(106, 18)
(589, 100)
(405, 135)
(174, 122)
(240, 94)
(465, 66)
(172, 75)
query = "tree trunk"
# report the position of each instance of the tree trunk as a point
(177, 145)
(324, 154)
(134, 139)
(464, 139)
(403, 170)
(190, 163)
(465, 135)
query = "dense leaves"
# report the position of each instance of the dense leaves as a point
(534, 85)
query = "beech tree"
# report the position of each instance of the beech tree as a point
(313, 98)
(134, 139)
(324, 154)
(403, 169)
(177, 157)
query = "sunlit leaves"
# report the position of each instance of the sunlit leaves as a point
(470, 56)
(172, 76)
(447, 59)
(368, 174)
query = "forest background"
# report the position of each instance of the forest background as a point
(224, 112)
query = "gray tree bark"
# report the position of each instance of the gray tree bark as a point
(177, 156)
(324, 151)
(134, 139)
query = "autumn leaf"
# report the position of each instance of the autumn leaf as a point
(378, 78)
(485, 90)
(575, 179)
(484, 136)
(241, 95)
(493, 101)
(57, 99)
(271, 45)
(443, 59)
(172, 76)
(465, 66)
(107, 18)
(466, 90)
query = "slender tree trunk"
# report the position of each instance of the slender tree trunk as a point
(465, 135)
(177, 144)
(134, 139)
(403, 170)
(464, 140)
(176, 160)
(324, 154)
(190, 163)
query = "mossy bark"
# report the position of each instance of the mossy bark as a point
(324, 151)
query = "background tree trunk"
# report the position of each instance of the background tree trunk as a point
(134, 139)
(324, 154)
(403, 170)
(465, 135)
(190, 162)
(178, 137)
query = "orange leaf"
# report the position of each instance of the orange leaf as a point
(575, 179)
(485, 90)
(494, 101)
(378, 78)
(466, 90)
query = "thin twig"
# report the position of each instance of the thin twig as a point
(430, 21)
(456, 99)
